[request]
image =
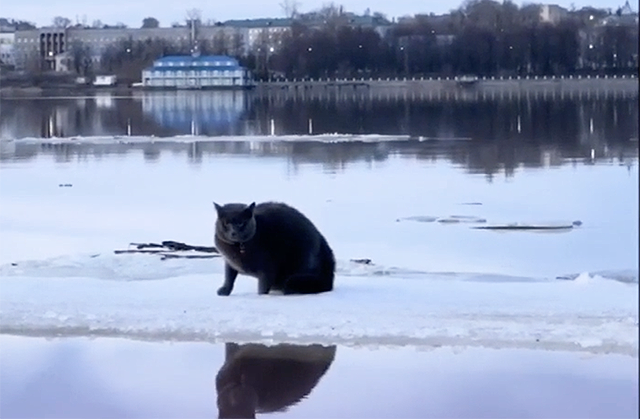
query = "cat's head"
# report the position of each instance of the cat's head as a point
(237, 400)
(235, 223)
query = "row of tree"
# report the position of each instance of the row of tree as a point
(483, 38)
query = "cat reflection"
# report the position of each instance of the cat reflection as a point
(257, 378)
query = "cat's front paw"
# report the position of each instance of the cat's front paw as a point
(224, 291)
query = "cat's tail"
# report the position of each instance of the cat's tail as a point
(315, 283)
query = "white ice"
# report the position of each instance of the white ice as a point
(323, 138)
(430, 283)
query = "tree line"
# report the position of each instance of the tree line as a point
(481, 37)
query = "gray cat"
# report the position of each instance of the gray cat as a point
(276, 244)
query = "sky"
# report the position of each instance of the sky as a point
(131, 12)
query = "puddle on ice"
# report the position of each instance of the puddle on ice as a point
(108, 377)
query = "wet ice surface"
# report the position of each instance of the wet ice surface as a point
(80, 377)
(429, 283)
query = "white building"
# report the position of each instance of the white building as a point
(262, 33)
(552, 13)
(106, 80)
(197, 72)
(7, 40)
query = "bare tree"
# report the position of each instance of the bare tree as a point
(81, 58)
(220, 43)
(290, 8)
(194, 15)
(61, 22)
(237, 44)
(97, 24)
(333, 16)
(33, 63)
(331, 10)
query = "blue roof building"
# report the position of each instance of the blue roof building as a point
(197, 72)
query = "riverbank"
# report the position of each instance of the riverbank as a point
(16, 92)
(411, 85)
(613, 83)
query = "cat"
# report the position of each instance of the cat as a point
(275, 243)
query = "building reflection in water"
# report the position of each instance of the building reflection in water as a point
(197, 112)
(257, 378)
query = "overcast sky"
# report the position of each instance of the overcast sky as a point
(131, 12)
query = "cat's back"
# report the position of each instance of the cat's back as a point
(272, 216)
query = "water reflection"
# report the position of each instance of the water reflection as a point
(94, 377)
(197, 113)
(490, 158)
(548, 116)
(256, 378)
(529, 116)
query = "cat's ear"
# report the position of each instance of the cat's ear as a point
(250, 208)
(218, 208)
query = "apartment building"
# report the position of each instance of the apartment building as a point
(237, 37)
(7, 40)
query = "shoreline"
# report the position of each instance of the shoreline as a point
(413, 85)
(621, 83)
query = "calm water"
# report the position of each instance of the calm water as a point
(573, 120)
(79, 377)
(493, 132)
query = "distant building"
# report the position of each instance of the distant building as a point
(624, 16)
(552, 13)
(63, 62)
(626, 9)
(379, 24)
(261, 33)
(268, 34)
(105, 80)
(7, 40)
(98, 40)
(44, 44)
(598, 37)
(197, 72)
(39, 47)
